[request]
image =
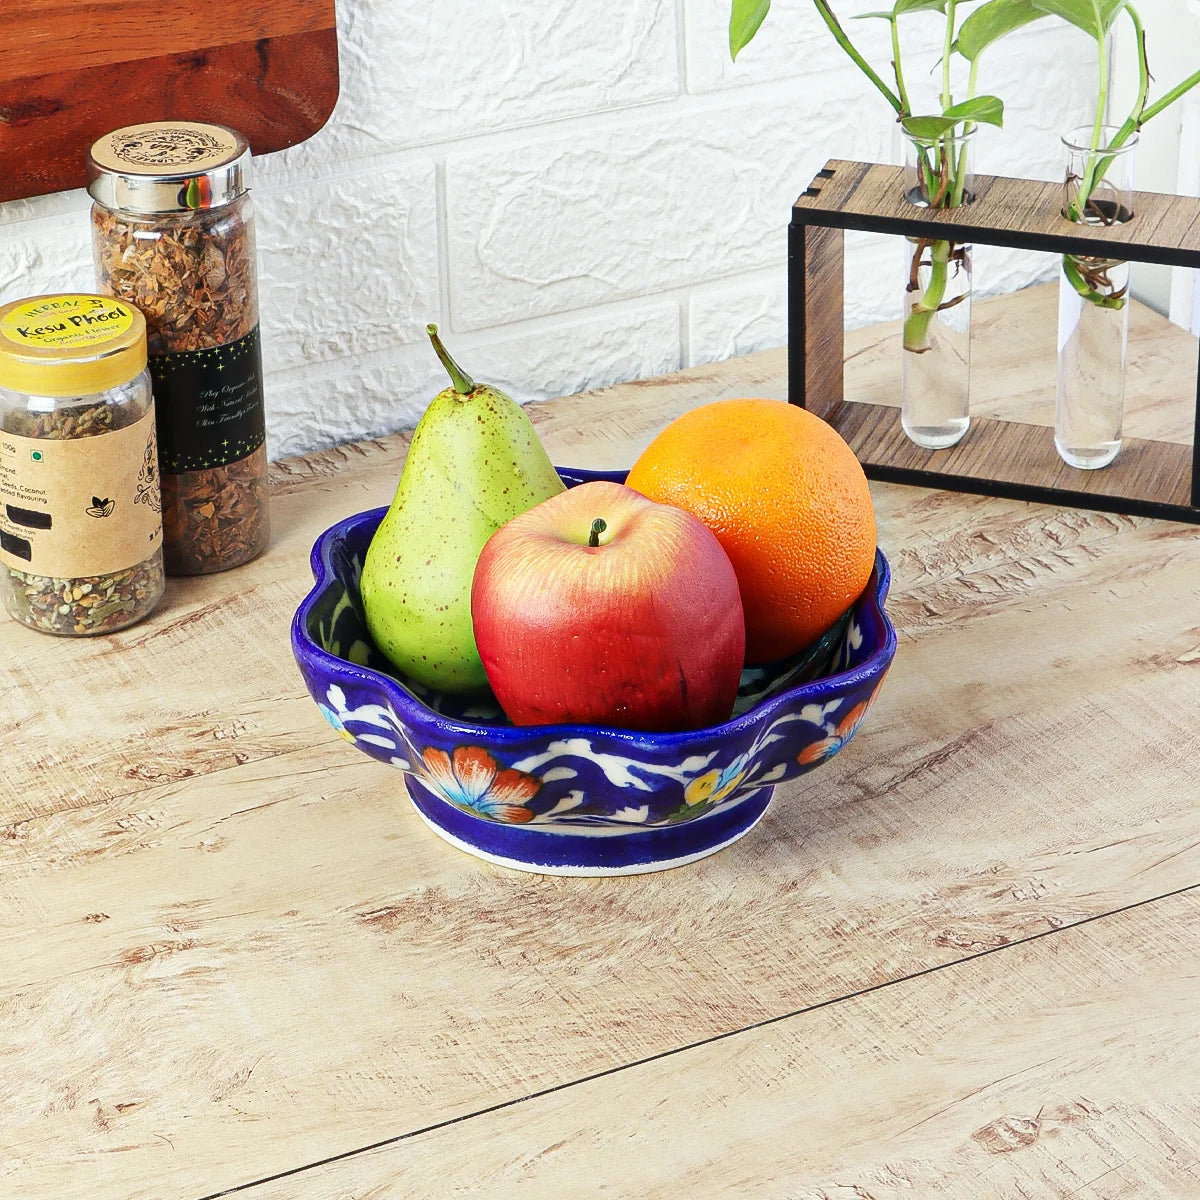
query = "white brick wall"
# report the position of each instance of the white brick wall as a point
(578, 194)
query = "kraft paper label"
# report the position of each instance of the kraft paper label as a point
(82, 507)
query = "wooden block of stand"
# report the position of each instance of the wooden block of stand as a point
(996, 457)
(1026, 213)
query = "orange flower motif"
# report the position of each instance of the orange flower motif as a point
(833, 742)
(473, 780)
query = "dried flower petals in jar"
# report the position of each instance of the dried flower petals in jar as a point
(173, 233)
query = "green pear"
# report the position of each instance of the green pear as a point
(474, 463)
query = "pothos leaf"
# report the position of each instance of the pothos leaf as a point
(744, 19)
(992, 21)
(927, 127)
(988, 110)
(1094, 17)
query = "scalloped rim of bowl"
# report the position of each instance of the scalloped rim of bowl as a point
(409, 707)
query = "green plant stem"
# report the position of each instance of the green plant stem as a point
(927, 176)
(1087, 183)
(1101, 96)
(1139, 114)
(1093, 171)
(947, 48)
(960, 163)
(1097, 165)
(918, 318)
(839, 34)
(1178, 90)
(1142, 112)
(905, 107)
(916, 322)
(1076, 280)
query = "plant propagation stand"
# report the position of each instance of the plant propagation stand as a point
(997, 457)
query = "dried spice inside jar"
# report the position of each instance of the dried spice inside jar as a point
(216, 519)
(89, 604)
(192, 274)
(181, 247)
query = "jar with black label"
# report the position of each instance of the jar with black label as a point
(173, 233)
(80, 519)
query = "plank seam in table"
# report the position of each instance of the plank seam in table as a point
(683, 1049)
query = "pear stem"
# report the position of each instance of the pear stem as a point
(599, 525)
(463, 383)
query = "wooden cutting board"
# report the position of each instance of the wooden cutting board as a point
(70, 72)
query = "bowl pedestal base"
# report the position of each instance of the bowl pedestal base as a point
(593, 850)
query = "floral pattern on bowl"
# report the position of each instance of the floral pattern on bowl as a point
(576, 799)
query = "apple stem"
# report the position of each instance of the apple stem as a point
(599, 525)
(463, 383)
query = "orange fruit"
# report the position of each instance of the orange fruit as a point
(787, 500)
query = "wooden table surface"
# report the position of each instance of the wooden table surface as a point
(960, 960)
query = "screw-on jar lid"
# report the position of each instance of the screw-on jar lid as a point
(72, 345)
(168, 166)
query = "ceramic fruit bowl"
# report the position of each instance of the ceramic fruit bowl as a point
(583, 799)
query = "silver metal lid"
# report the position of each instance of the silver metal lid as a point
(168, 166)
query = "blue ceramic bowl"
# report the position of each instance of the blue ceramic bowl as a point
(583, 799)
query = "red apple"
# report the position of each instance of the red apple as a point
(601, 607)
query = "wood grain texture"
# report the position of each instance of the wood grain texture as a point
(93, 33)
(230, 948)
(1055, 1069)
(818, 338)
(1026, 213)
(1023, 453)
(74, 72)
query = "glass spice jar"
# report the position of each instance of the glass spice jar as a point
(80, 518)
(173, 233)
